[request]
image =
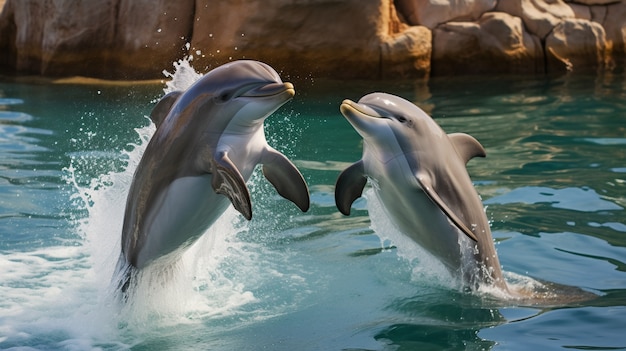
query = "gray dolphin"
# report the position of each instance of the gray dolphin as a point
(207, 143)
(418, 172)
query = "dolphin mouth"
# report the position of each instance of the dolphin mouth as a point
(271, 89)
(366, 120)
(351, 109)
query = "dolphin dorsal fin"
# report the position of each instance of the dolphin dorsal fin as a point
(228, 181)
(163, 107)
(467, 146)
(349, 186)
(285, 178)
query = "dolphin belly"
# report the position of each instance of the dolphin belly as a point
(183, 212)
(413, 212)
(418, 218)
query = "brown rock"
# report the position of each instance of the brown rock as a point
(431, 13)
(539, 16)
(45, 38)
(594, 2)
(147, 41)
(576, 44)
(407, 55)
(133, 39)
(99, 38)
(614, 24)
(496, 43)
(342, 39)
(581, 11)
(598, 14)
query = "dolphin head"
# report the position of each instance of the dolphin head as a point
(390, 125)
(250, 90)
(240, 95)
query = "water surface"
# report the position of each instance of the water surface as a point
(554, 187)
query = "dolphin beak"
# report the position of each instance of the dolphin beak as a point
(363, 118)
(351, 109)
(271, 89)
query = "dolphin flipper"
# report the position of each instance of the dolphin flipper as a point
(467, 146)
(427, 186)
(163, 107)
(228, 181)
(286, 178)
(349, 186)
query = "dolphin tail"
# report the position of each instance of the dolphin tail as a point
(349, 186)
(286, 178)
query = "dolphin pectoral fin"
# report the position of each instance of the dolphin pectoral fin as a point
(163, 107)
(349, 186)
(228, 181)
(286, 178)
(434, 197)
(467, 146)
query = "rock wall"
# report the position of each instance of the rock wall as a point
(352, 39)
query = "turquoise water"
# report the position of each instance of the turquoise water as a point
(554, 187)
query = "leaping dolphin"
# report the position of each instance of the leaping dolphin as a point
(418, 172)
(207, 143)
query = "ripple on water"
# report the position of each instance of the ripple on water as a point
(606, 141)
(10, 101)
(14, 116)
(577, 199)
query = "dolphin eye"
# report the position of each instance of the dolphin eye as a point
(225, 96)
(405, 121)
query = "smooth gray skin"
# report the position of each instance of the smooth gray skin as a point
(207, 143)
(419, 174)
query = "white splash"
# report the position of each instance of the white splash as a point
(183, 76)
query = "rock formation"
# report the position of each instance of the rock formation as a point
(138, 39)
(576, 43)
(107, 38)
(431, 13)
(497, 42)
(342, 39)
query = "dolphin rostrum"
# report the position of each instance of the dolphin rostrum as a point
(418, 172)
(207, 143)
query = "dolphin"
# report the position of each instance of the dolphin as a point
(418, 172)
(207, 142)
